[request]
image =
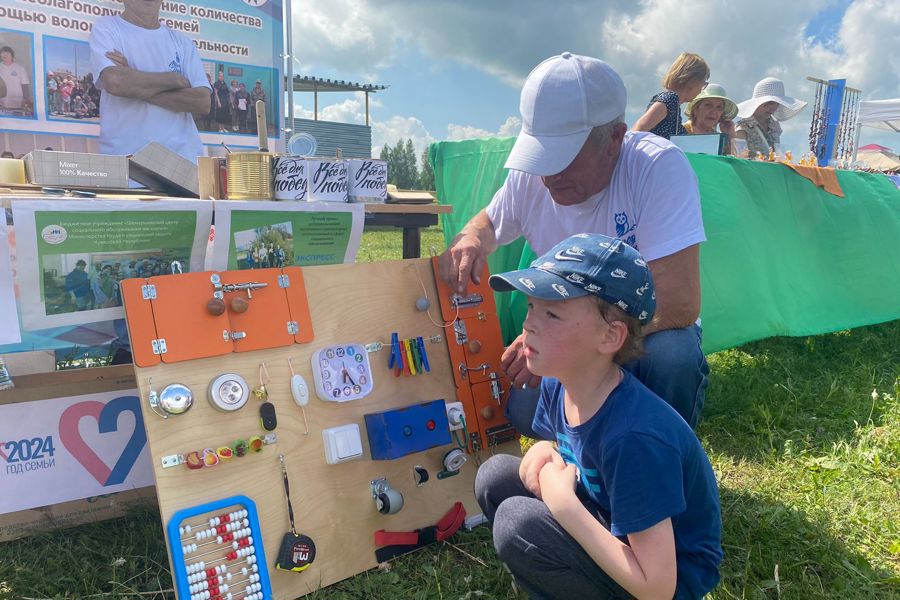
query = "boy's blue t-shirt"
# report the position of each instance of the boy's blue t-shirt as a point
(641, 463)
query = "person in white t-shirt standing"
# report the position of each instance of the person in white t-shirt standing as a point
(16, 82)
(575, 169)
(152, 82)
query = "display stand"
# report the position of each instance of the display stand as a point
(334, 504)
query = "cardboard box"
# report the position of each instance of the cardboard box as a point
(78, 169)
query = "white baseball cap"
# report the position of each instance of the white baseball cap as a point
(563, 98)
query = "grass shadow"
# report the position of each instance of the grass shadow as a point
(808, 393)
(773, 550)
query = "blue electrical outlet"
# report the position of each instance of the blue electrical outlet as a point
(401, 431)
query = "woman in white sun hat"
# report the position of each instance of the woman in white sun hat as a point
(711, 111)
(759, 116)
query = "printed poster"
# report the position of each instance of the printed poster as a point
(63, 449)
(255, 235)
(70, 256)
(9, 323)
(53, 100)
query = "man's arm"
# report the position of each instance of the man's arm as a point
(676, 279)
(140, 85)
(465, 258)
(192, 100)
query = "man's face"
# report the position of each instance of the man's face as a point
(588, 173)
(6, 57)
(143, 7)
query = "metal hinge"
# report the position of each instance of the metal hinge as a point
(284, 281)
(159, 346)
(293, 328)
(148, 291)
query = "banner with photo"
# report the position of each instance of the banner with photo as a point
(52, 101)
(253, 235)
(69, 448)
(70, 256)
(9, 323)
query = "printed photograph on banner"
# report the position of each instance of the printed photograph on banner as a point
(70, 260)
(250, 233)
(90, 281)
(69, 90)
(235, 90)
(73, 447)
(17, 73)
(265, 247)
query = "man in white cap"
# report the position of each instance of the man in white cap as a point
(575, 169)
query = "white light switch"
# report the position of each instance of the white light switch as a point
(342, 443)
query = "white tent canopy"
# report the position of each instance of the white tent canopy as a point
(883, 114)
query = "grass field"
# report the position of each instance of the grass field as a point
(803, 433)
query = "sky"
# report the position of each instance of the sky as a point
(455, 68)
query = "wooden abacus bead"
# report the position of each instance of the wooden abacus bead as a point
(239, 304)
(215, 306)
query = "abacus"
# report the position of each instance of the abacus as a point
(217, 552)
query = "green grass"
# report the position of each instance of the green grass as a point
(804, 435)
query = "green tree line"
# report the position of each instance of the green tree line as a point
(402, 169)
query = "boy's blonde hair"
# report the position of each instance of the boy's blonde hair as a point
(686, 68)
(633, 347)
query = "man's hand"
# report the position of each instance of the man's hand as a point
(117, 57)
(534, 460)
(513, 362)
(557, 481)
(462, 261)
(466, 257)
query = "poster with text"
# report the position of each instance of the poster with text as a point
(9, 324)
(258, 235)
(71, 256)
(52, 99)
(63, 449)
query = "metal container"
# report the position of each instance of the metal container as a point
(290, 178)
(249, 175)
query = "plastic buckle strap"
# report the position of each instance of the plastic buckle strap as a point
(396, 543)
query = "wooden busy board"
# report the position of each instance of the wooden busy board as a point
(333, 504)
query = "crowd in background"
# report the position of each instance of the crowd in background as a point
(710, 110)
(72, 96)
(232, 106)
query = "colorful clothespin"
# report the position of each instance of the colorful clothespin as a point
(417, 359)
(412, 367)
(396, 361)
(421, 345)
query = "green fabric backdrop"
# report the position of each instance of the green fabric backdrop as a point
(783, 257)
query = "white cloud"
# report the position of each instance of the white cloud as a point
(742, 42)
(465, 132)
(397, 128)
(511, 126)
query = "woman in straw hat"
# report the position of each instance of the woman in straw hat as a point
(711, 111)
(761, 114)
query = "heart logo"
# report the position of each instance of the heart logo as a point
(107, 417)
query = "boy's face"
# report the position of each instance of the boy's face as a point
(563, 336)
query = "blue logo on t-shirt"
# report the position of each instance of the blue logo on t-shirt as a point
(175, 65)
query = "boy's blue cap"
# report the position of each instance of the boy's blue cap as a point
(587, 263)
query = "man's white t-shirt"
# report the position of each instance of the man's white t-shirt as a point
(652, 203)
(14, 76)
(127, 124)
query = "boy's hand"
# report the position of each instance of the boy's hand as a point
(557, 481)
(534, 460)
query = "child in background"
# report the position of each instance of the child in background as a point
(625, 502)
(687, 77)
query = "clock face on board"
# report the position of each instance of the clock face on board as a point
(342, 372)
